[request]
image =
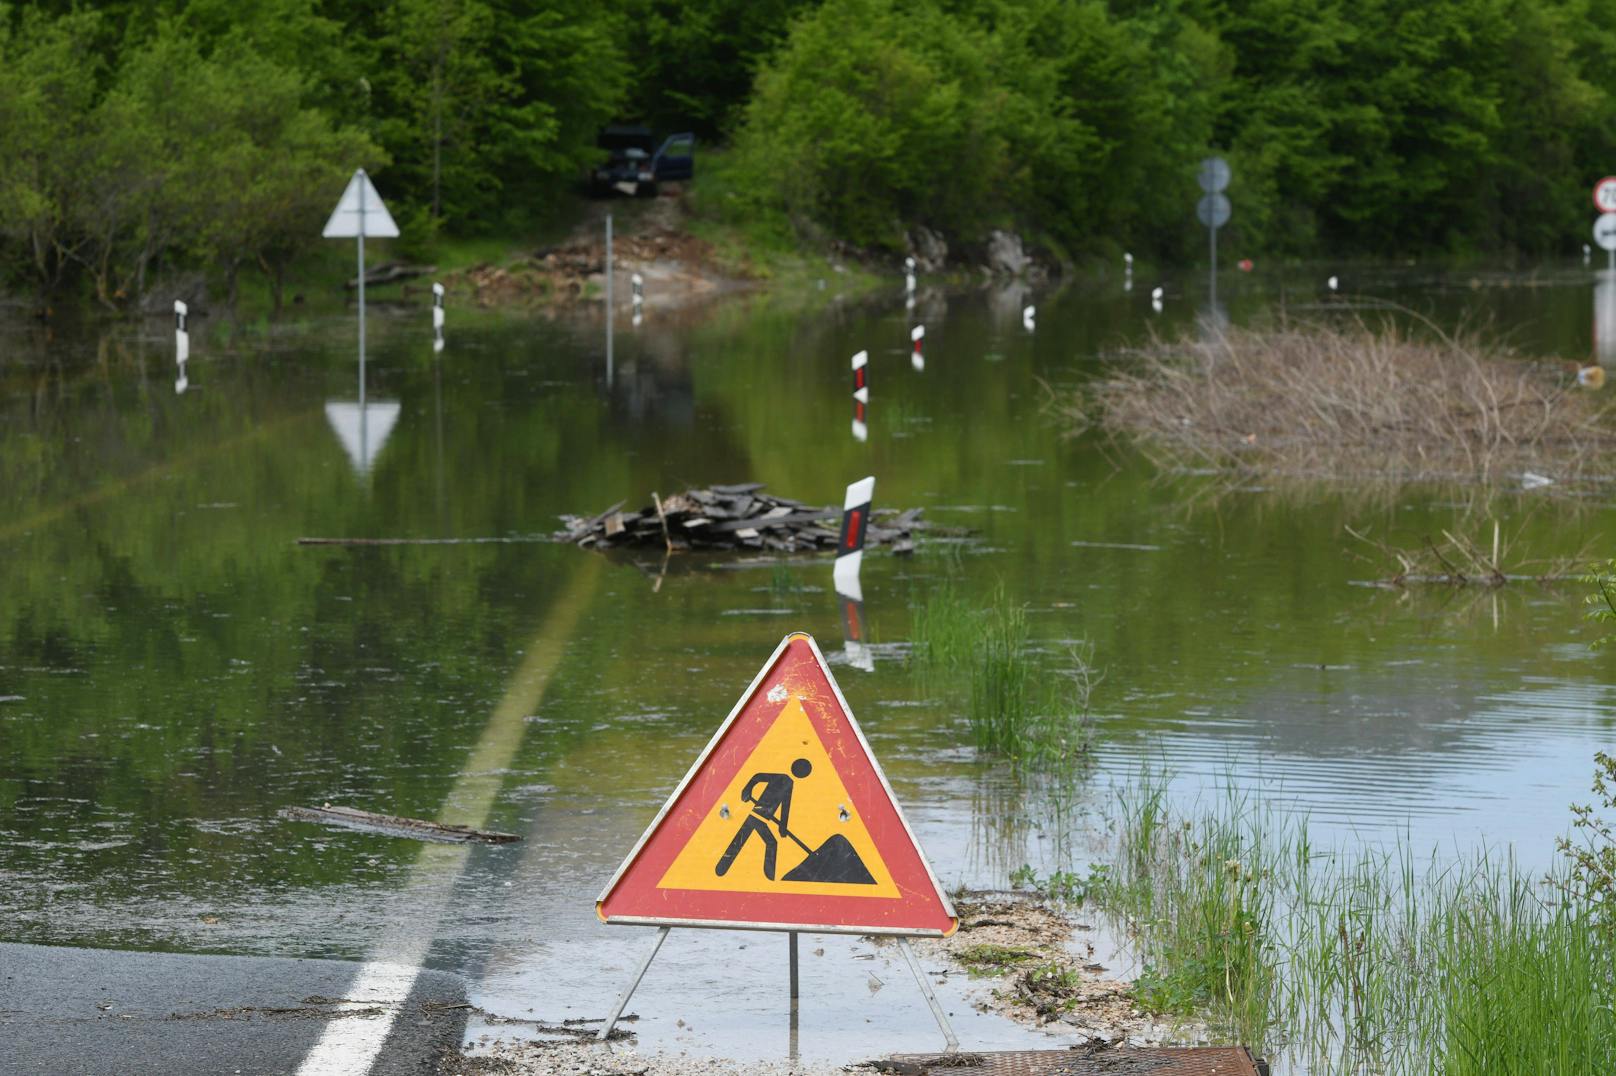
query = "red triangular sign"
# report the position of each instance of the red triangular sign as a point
(785, 822)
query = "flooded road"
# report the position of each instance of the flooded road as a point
(174, 668)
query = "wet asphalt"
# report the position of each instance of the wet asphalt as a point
(94, 1011)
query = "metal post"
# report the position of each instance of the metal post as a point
(361, 245)
(792, 1044)
(931, 998)
(608, 300)
(1214, 230)
(633, 984)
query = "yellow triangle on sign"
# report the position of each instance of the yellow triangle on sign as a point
(786, 801)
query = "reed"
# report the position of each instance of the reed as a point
(1001, 719)
(943, 629)
(984, 653)
(1361, 961)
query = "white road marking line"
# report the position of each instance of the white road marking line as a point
(350, 1046)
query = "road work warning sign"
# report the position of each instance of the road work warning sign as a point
(785, 822)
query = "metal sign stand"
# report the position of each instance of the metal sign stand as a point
(361, 212)
(608, 300)
(903, 945)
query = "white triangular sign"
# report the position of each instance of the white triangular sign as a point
(360, 211)
(362, 429)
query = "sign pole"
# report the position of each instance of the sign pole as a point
(1214, 231)
(361, 212)
(360, 238)
(633, 984)
(608, 300)
(793, 936)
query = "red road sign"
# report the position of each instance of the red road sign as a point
(1605, 194)
(785, 822)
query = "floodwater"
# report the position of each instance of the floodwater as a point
(175, 668)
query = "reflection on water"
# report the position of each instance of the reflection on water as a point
(1605, 320)
(174, 668)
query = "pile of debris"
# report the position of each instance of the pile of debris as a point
(735, 517)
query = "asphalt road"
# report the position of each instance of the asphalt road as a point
(95, 1011)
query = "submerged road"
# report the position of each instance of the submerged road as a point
(95, 1011)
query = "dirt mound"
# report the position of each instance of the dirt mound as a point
(673, 264)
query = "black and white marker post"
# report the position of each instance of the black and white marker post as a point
(861, 395)
(437, 317)
(918, 358)
(182, 344)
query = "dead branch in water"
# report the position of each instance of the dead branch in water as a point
(1315, 401)
(1458, 561)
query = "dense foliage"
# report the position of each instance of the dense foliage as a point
(1374, 126)
(150, 136)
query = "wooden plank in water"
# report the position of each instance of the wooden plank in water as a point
(395, 825)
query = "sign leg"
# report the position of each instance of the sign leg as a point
(792, 1044)
(931, 998)
(633, 984)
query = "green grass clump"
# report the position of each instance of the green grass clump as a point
(1001, 719)
(1357, 963)
(783, 582)
(993, 959)
(943, 630)
(1062, 887)
(1011, 712)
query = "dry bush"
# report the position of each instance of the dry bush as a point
(1313, 401)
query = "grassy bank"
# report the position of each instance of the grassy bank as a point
(1372, 962)
(1313, 401)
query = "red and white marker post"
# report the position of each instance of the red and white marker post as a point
(861, 396)
(849, 558)
(918, 358)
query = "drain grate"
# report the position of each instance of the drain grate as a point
(1123, 1061)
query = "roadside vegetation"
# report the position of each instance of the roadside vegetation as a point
(1318, 401)
(143, 141)
(1362, 960)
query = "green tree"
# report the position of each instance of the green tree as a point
(694, 61)
(49, 78)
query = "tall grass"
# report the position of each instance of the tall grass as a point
(999, 713)
(1012, 712)
(943, 629)
(1368, 962)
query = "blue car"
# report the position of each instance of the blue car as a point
(633, 167)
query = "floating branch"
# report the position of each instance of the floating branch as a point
(1457, 561)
